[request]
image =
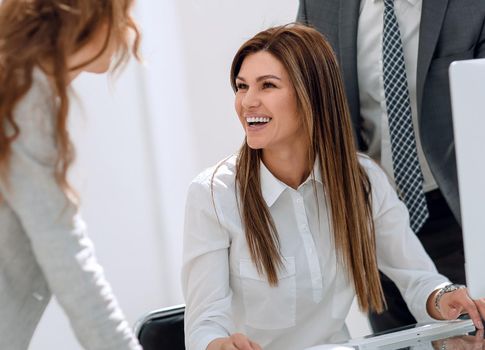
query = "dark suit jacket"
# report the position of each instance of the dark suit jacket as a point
(450, 30)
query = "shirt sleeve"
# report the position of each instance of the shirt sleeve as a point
(205, 271)
(58, 235)
(400, 254)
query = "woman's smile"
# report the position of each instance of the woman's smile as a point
(256, 123)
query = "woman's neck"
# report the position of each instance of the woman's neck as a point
(289, 165)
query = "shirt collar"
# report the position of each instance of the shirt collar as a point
(272, 188)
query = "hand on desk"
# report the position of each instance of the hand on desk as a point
(455, 303)
(236, 341)
(463, 342)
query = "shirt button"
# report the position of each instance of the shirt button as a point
(299, 201)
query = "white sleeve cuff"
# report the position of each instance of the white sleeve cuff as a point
(200, 339)
(419, 310)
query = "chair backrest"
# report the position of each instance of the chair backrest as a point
(162, 329)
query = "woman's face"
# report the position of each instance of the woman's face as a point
(95, 45)
(92, 49)
(266, 103)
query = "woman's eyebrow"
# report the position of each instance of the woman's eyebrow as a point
(267, 76)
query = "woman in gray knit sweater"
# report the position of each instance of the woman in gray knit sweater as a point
(44, 249)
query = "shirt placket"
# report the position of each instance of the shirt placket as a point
(309, 246)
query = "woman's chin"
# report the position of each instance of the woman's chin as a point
(98, 67)
(100, 70)
(254, 145)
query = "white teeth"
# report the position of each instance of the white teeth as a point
(258, 119)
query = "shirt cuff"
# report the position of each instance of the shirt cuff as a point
(420, 311)
(204, 336)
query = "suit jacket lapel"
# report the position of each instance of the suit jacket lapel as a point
(432, 15)
(347, 52)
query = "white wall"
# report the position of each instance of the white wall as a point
(142, 139)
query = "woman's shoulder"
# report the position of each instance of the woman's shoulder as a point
(372, 168)
(220, 176)
(34, 116)
(39, 96)
(379, 180)
(35, 112)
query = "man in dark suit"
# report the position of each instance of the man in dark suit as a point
(432, 33)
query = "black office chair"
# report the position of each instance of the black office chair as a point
(162, 329)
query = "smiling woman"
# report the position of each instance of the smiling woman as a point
(280, 237)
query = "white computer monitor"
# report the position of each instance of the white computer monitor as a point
(467, 84)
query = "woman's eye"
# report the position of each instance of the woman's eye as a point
(268, 84)
(241, 86)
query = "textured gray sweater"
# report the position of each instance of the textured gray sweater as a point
(44, 248)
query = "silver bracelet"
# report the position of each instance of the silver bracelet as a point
(446, 289)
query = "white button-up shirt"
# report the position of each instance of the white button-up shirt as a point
(371, 80)
(225, 294)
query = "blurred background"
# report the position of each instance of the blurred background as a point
(141, 137)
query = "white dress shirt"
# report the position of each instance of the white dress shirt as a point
(371, 84)
(225, 294)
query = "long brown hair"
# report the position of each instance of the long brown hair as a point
(36, 32)
(315, 75)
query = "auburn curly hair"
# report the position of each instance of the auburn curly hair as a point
(38, 32)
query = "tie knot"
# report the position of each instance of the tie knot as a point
(389, 4)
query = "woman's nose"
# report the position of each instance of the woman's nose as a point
(251, 99)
